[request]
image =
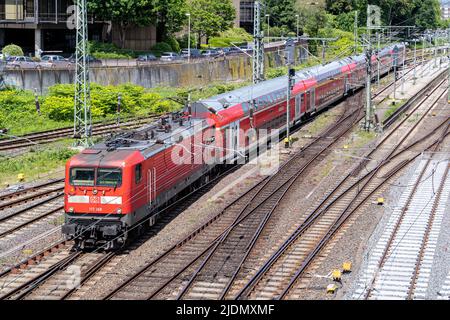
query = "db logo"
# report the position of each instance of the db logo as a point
(94, 199)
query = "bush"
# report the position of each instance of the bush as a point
(161, 47)
(237, 36)
(101, 50)
(12, 50)
(184, 41)
(173, 43)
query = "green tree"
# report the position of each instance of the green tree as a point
(282, 13)
(210, 17)
(169, 17)
(338, 7)
(124, 13)
(312, 19)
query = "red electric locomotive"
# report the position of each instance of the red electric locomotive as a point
(121, 183)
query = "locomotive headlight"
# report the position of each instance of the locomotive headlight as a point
(71, 210)
(94, 191)
(119, 211)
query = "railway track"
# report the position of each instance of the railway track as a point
(31, 140)
(58, 272)
(30, 194)
(401, 266)
(285, 274)
(219, 245)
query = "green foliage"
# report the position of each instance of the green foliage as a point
(226, 38)
(282, 13)
(161, 47)
(210, 17)
(421, 13)
(173, 43)
(12, 50)
(101, 50)
(35, 163)
(184, 41)
(169, 16)
(342, 46)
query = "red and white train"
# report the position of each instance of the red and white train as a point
(121, 183)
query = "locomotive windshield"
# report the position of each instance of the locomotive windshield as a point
(82, 177)
(109, 177)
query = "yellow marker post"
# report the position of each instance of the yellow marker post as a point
(380, 201)
(347, 266)
(331, 288)
(336, 275)
(21, 177)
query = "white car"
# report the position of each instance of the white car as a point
(22, 62)
(52, 61)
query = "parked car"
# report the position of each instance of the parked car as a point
(231, 50)
(52, 61)
(146, 57)
(195, 53)
(170, 56)
(21, 62)
(90, 59)
(210, 53)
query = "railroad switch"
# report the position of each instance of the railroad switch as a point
(331, 288)
(336, 275)
(347, 267)
(21, 177)
(380, 201)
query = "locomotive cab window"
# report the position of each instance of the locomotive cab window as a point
(138, 173)
(82, 177)
(109, 177)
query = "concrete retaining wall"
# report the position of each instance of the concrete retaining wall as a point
(196, 73)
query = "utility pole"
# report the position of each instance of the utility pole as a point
(378, 48)
(448, 66)
(415, 61)
(403, 70)
(355, 27)
(258, 46)
(395, 71)
(189, 36)
(290, 52)
(369, 110)
(82, 130)
(373, 22)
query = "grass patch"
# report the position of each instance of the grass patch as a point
(319, 123)
(391, 110)
(360, 139)
(36, 163)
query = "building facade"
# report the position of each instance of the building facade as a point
(48, 25)
(244, 14)
(445, 9)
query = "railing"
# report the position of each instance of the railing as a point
(29, 17)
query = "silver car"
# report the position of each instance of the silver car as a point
(21, 62)
(170, 56)
(54, 61)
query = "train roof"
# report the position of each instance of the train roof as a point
(248, 93)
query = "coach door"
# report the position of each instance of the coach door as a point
(151, 186)
(313, 100)
(298, 106)
(234, 139)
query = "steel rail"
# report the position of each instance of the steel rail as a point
(314, 215)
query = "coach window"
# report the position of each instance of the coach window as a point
(138, 173)
(107, 177)
(82, 177)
